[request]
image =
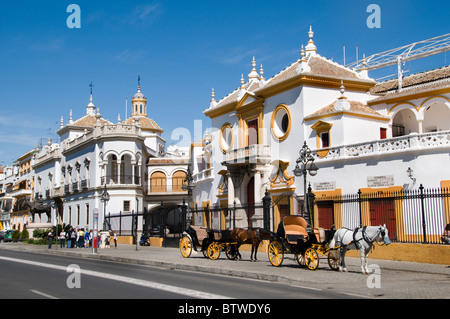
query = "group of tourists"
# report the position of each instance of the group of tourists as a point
(78, 238)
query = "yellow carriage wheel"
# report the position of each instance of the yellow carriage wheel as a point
(311, 258)
(185, 246)
(276, 253)
(213, 251)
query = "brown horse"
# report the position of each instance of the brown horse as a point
(251, 235)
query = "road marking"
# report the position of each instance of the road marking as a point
(308, 288)
(138, 282)
(37, 292)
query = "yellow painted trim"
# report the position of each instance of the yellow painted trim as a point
(403, 103)
(222, 147)
(281, 190)
(409, 97)
(365, 116)
(433, 97)
(206, 204)
(322, 127)
(272, 122)
(282, 178)
(445, 186)
(316, 81)
(223, 222)
(216, 112)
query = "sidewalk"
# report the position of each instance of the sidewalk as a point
(398, 279)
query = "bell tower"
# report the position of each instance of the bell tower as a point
(139, 102)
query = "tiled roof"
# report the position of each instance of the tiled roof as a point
(233, 96)
(412, 84)
(89, 121)
(412, 80)
(146, 123)
(355, 107)
(319, 66)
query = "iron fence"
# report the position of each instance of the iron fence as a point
(411, 216)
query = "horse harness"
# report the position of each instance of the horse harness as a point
(356, 241)
(364, 237)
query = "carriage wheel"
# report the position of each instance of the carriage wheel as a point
(311, 258)
(230, 251)
(333, 259)
(185, 246)
(276, 253)
(213, 251)
(300, 259)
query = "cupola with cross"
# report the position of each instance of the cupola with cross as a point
(139, 102)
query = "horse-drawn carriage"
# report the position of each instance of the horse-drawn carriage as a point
(210, 242)
(306, 246)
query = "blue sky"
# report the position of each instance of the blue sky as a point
(181, 49)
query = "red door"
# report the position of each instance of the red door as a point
(382, 211)
(325, 214)
(252, 135)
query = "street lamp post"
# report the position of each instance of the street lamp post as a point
(105, 199)
(189, 187)
(307, 161)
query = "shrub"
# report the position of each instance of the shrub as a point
(38, 233)
(25, 235)
(15, 235)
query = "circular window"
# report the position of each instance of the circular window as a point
(281, 122)
(226, 138)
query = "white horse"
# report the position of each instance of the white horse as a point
(358, 238)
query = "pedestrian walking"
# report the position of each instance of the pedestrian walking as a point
(62, 238)
(115, 240)
(50, 239)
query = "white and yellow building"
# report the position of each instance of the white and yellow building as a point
(94, 153)
(364, 135)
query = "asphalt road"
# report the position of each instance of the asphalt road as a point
(37, 276)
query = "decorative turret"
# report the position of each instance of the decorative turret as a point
(253, 73)
(139, 102)
(213, 100)
(311, 47)
(90, 108)
(342, 104)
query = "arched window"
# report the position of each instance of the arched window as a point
(177, 181)
(158, 182)
(113, 177)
